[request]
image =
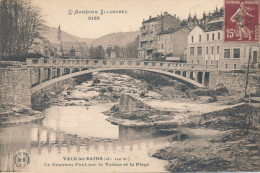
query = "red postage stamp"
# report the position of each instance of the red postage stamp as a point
(241, 20)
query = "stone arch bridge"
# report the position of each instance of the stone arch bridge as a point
(50, 71)
(18, 83)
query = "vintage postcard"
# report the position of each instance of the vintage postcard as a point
(129, 86)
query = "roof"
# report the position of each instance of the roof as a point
(150, 20)
(218, 19)
(172, 30)
(214, 26)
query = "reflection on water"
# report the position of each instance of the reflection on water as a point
(75, 131)
(85, 122)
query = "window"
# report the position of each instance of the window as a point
(192, 38)
(199, 38)
(191, 50)
(207, 50)
(211, 62)
(192, 61)
(213, 36)
(226, 66)
(236, 53)
(217, 63)
(198, 61)
(235, 66)
(206, 62)
(162, 46)
(218, 35)
(207, 37)
(217, 49)
(212, 50)
(199, 50)
(226, 53)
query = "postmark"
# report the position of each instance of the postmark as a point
(241, 20)
(21, 159)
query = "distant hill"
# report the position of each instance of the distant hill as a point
(120, 38)
(51, 34)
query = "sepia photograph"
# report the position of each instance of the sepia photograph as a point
(129, 86)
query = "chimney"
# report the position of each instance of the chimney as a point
(206, 19)
(150, 17)
(174, 15)
(165, 13)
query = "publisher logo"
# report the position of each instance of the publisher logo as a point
(21, 159)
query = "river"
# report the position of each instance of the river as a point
(72, 129)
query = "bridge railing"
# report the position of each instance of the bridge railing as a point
(114, 63)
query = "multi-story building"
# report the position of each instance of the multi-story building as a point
(206, 46)
(173, 42)
(148, 33)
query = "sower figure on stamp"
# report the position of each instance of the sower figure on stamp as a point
(239, 18)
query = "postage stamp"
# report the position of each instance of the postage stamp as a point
(241, 20)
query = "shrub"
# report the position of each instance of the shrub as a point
(110, 89)
(142, 94)
(103, 90)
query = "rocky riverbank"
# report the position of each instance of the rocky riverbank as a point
(12, 114)
(216, 142)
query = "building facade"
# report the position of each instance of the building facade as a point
(206, 46)
(173, 42)
(148, 34)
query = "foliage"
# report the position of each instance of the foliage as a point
(20, 24)
(96, 52)
(99, 53)
(131, 49)
(108, 51)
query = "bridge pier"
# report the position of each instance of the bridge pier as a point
(195, 76)
(188, 74)
(184, 73)
(203, 78)
(207, 79)
(40, 74)
(50, 73)
(48, 141)
(59, 72)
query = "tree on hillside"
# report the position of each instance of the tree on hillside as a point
(117, 50)
(91, 52)
(108, 51)
(20, 24)
(99, 53)
(131, 49)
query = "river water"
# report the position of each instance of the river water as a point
(81, 132)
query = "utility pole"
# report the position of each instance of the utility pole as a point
(248, 68)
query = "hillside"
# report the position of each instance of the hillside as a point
(120, 38)
(51, 34)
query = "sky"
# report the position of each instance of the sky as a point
(56, 12)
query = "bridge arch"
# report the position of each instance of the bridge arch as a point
(78, 73)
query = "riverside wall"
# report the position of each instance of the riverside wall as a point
(235, 81)
(15, 86)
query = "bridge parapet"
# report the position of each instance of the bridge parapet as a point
(114, 63)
